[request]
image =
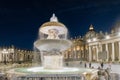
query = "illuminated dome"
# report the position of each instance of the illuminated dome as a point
(53, 24)
(91, 33)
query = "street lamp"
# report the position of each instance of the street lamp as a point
(5, 52)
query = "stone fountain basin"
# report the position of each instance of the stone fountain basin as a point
(52, 44)
(65, 70)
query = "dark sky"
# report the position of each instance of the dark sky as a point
(20, 21)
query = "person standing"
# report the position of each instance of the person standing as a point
(102, 65)
(90, 65)
(85, 65)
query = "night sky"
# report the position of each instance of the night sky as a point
(20, 21)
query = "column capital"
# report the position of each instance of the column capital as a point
(113, 43)
(106, 43)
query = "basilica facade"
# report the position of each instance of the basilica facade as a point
(14, 55)
(103, 46)
(77, 51)
(95, 46)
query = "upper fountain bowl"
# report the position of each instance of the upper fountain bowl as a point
(53, 36)
(48, 27)
(53, 25)
(52, 44)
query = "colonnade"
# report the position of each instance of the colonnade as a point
(109, 51)
(15, 55)
(74, 53)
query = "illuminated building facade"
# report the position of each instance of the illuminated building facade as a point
(103, 46)
(14, 55)
(96, 46)
(78, 50)
(93, 46)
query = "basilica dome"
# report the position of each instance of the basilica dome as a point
(91, 33)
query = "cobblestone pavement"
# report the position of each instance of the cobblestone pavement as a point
(115, 70)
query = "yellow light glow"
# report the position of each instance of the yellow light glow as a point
(89, 40)
(107, 37)
(78, 48)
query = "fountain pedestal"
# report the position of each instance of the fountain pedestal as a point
(53, 62)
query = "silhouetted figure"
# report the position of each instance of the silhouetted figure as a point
(80, 62)
(102, 65)
(90, 65)
(66, 64)
(5, 62)
(85, 65)
(6, 78)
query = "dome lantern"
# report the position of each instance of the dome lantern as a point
(91, 27)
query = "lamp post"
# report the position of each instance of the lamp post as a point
(5, 52)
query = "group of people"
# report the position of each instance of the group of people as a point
(101, 65)
(85, 65)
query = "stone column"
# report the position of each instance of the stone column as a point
(6, 57)
(119, 50)
(113, 52)
(97, 52)
(71, 54)
(100, 46)
(0, 57)
(107, 52)
(90, 54)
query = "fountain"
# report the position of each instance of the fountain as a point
(51, 44)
